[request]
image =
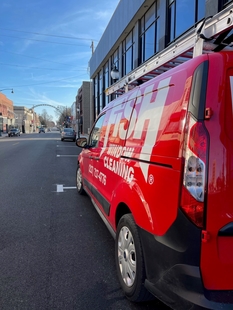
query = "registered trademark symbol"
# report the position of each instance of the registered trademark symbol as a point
(151, 179)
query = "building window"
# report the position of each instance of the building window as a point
(225, 3)
(183, 14)
(127, 53)
(100, 91)
(106, 84)
(135, 53)
(171, 19)
(96, 96)
(115, 62)
(149, 26)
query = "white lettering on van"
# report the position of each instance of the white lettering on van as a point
(119, 167)
(118, 113)
(149, 118)
(97, 174)
(146, 122)
(127, 113)
(118, 151)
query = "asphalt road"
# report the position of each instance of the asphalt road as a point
(55, 251)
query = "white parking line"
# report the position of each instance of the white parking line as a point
(66, 146)
(60, 188)
(70, 187)
(67, 155)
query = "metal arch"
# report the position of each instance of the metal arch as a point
(49, 105)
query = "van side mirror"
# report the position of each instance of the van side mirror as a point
(81, 142)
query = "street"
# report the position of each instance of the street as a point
(55, 251)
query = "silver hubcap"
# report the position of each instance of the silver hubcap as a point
(79, 179)
(127, 256)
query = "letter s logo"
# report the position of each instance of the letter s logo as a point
(127, 114)
(149, 119)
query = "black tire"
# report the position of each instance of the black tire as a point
(62, 139)
(79, 181)
(129, 257)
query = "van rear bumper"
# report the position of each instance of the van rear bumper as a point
(191, 296)
(173, 272)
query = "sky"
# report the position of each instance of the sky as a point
(45, 47)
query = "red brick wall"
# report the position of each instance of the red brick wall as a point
(6, 105)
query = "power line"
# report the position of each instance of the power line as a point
(30, 104)
(13, 65)
(23, 104)
(35, 57)
(50, 35)
(3, 35)
(45, 82)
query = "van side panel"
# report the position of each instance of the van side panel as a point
(104, 168)
(157, 140)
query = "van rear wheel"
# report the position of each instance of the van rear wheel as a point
(129, 260)
(79, 181)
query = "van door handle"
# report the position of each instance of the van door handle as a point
(94, 157)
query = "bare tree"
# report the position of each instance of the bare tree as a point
(63, 115)
(45, 118)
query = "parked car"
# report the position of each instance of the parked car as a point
(158, 167)
(68, 134)
(14, 132)
(41, 130)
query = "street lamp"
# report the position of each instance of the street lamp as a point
(115, 73)
(78, 111)
(8, 89)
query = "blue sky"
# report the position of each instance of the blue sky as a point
(45, 47)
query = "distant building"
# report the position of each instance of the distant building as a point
(81, 109)
(26, 119)
(7, 118)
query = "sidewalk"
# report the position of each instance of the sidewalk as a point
(3, 135)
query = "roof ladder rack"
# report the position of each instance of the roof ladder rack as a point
(210, 35)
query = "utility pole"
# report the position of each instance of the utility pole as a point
(66, 120)
(92, 47)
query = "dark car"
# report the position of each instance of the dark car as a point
(68, 134)
(41, 130)
(14, 132)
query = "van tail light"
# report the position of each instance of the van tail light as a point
(194, 179)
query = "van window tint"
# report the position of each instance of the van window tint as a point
(95, 133)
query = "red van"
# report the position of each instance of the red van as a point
(158, 166)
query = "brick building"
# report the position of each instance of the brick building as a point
(7, 118)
